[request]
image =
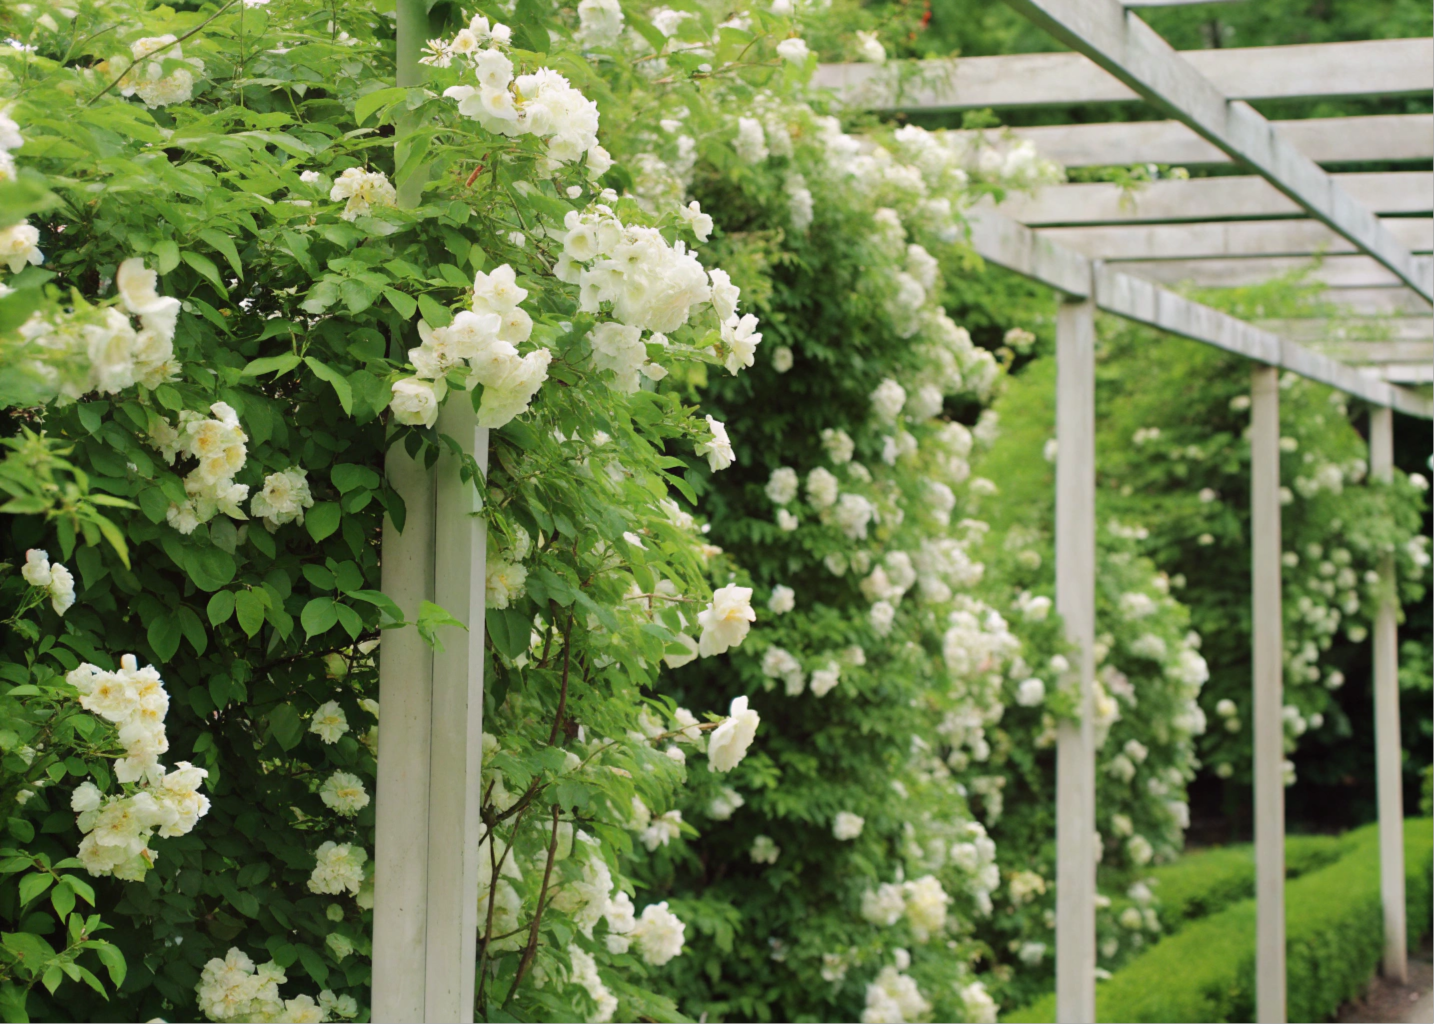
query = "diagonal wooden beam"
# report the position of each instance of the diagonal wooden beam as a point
(1135, 53)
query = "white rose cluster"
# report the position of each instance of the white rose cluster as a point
(282, 499)
(117, 828)
(338, 868)
(894, 998)
(542, 103)
(146, 76)
(361, 190)
(55, 580)
(234, 989)
(922, 901)
(218, 443)
(19, 242)
(485, 340)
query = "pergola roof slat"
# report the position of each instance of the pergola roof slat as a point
(1382, 67)
(1205, 199)
(1231, 238)
(1002, 241)
(1132, 51)
(1325, 140)
(1343, 271)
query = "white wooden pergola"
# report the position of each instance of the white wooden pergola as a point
(1104, 248)
(1098, 252)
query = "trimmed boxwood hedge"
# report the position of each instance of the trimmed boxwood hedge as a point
(1334, 942)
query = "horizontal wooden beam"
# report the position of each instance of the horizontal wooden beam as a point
(1229, 238)
(1175, 3)
(1340, 271)
(1135, 53)
(1325, 140)
(1379, 67)
(1407, 373)
(1339, 335)
(1237, 197)
(1378, 301)
(1005, 243)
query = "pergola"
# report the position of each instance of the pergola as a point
(1098, 252)
(1101, 247)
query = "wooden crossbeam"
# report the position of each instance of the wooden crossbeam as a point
(1132, 51)
(1205, 199)
(1401, 339)
(1325, 140)
(1341, 271)
(1378, 301)
(1379, 67)
(1230, 238)
(1000, 240)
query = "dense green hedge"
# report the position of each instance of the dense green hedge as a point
(1335, 938)
(1211, 880)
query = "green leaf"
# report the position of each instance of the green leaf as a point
(221, 606)
(113, 960)
(280, 364)
(210, 568)
(63, 900)
(406, 305)
(319, 616)
(341, 385)
(286, 726)
(206, 269)
(380, 600)
(510, 629)
(33, 885)
(323, 519)
(193, 629)
(434, 312)
(349, 619)
(370, 102)
(346, 476)
(164, 636)
(250, 611)
(166, 254)
(430, 617)
(224, 244)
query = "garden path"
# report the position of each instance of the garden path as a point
(1389, 1003)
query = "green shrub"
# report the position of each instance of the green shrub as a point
(1334, 941)
(1207, 882)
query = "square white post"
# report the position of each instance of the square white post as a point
(1268, 682)
(1387, 740)
(1075, 600)
(405, 687)
(456, 752)
(429, 792)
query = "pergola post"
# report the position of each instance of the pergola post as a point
(1075, 600)
(405, 687)
(455, 788)
(429, 793)
(1387, 739)
(1268, 681)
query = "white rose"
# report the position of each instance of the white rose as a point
(415, 402)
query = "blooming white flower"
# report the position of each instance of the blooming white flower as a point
(822, 489)
(726, 620)
(786, 522)
(764, 850)
(1140, 850)
(719, 449)
(783, 599)
(852, 514)
(344, 792)
(283, 497)
(882, 616)
(659, 934)
(1030, 693)
(781, 358)
(329, 722)
(887, 400)
(783, 485)
(363, 190)
(846, 826)
(730, 740)
(825, 679)
(338, 868)
(751, 143)
(869, 48)
(415, 402)
(793, 51)
(839, 445)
